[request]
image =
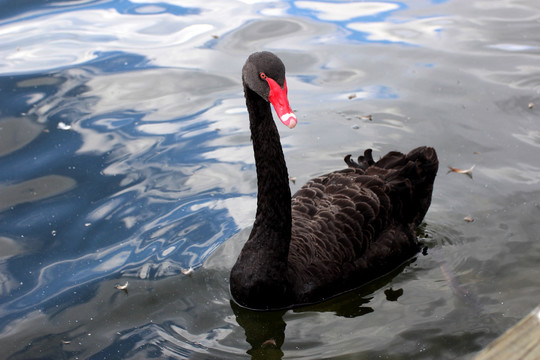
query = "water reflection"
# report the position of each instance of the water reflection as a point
(346, 11)
(17, 133)
(265, 331)
(34, 190)
(127, 214)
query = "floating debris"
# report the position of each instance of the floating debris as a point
(293, 179)
(352, 96)
(468, 218)
(365, 117)
(122, 287)
(187, 271)
(63, 126)
(531, 105)
(461, 171)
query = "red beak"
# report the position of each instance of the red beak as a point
(278, 98)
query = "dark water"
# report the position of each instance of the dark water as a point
(125, 157)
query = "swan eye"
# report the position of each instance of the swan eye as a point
(263, 76)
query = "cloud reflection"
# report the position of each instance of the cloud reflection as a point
(166, 34)
(333, 11)
(413, 31)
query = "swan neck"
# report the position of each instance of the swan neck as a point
(274, 194)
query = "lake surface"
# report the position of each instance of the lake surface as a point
(125, 158)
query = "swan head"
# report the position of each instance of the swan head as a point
(264, 73)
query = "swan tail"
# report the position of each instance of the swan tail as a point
(364, 161)
(410, 180)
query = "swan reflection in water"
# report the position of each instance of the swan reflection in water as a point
(265, 330)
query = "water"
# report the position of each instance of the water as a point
(125, 157)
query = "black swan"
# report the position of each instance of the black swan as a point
(340, 230)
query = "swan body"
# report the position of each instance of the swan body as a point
(340, 230)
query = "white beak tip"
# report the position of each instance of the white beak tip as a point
(289, 119)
